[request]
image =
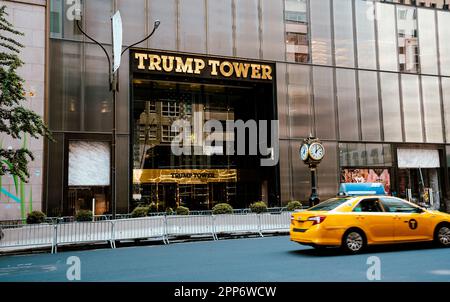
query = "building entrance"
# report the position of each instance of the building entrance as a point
(210, 173)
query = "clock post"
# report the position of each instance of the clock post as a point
(312, 152)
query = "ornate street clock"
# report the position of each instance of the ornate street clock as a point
(312, 152)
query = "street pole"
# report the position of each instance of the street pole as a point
(113, 72)
(314, 194)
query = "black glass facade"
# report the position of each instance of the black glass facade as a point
(361, 75)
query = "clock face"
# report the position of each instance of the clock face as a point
(304, 152)
(316, 151)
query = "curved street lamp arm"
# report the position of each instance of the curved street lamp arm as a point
(96, 42)
(155, 26)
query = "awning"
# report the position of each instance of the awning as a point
(418, 158)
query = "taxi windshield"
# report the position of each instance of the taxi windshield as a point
(329, 204)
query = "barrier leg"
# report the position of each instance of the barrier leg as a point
(259, 226)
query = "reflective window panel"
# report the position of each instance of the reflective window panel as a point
(347, 104)
(297, 32)
(220, 24)
(432, 109)
(166, 35)
(343, 33)
(411, 108)
(324, 107)
(247, 33)
(320, 32)
(444, 41)
(370, 111)
(427, 41)
(192, 28)
(299, 93)
(365, 34)
(446, 100)
(390, 97)
(387, 44)
(408, 43)
(272, 30)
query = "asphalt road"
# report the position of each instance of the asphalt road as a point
(252, 259)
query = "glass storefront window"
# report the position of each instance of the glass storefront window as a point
(408, 43)
(343, 33)
(297, 33)
(320, 32)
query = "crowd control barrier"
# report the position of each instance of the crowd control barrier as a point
(164, 228)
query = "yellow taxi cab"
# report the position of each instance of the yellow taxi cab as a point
(355, 222)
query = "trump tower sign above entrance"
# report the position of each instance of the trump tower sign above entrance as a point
(144, 61)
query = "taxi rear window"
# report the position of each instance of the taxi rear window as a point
(329, 204)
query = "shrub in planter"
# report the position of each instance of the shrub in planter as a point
(169, 211)
(83, 215)
(152, 208)
(294, 205)
(139, 212)
(258, 207)
(182, 210)
(222, 208)
(35, 217)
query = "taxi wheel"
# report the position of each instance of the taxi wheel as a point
(442, 235)
(353, 241)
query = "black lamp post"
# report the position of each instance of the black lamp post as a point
(114, 87)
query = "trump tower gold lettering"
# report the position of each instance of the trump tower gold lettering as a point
(202, 66)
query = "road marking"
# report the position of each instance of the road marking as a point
(441, 272)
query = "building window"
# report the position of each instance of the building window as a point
(297, 35)
(167, 134)
(407, 39)
(151, 132)
(170, 109)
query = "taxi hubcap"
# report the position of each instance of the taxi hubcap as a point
(354, 241)
(444, 235)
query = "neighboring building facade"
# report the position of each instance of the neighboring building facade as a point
(28, 16)
(371, 79)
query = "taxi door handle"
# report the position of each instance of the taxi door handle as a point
(359, 217)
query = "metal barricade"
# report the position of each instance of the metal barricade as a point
(84, 232)
(139, 228)
(189, 225)
(271, 222)
(32, 235)
(236, 223)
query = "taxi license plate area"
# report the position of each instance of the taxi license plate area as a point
(302, 224)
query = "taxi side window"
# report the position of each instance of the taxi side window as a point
(397, 206)
(368, 205)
